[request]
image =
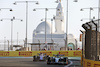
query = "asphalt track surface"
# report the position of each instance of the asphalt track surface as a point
(26, 62)
(23, 62)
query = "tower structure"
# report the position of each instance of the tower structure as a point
(59, 19)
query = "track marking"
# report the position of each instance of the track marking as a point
(69, 64)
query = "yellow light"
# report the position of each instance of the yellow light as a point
(80, 37)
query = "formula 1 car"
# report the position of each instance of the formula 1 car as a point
(58, 59)
(40, 57)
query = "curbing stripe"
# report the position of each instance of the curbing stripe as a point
(69, 64)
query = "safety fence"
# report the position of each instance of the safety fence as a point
(90, 63)
(32, 53)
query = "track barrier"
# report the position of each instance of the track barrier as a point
(32, 53)
(90, 63)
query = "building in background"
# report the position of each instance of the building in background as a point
(55, 37)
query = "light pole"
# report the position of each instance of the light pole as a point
(67, 23)
(17, 38)
(82, 45)
(10, 9)
(45, 21)
(24, 43)
(4, 43)
(76, 43)
(90, 9)
(66, 41)
(46, 9)
(51, 26)
(26, 2)
(51, 29)
(8, 45)
(11, 19)
(99, 22)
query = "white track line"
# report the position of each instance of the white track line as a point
(69, 64)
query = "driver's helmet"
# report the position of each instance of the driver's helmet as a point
(57, 55)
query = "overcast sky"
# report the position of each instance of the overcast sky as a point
(74, 23)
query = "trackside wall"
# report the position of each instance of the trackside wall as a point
(32, 53)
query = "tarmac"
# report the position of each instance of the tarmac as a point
(23, 62)
(28, 62)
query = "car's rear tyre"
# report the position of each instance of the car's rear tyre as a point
(48, 63)
(48, 58)
(64, 59)
(53, 60)
(33, 58)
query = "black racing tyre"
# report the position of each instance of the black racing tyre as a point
(49, 60)
(48, 63)
(64, 59)
(53, 60)
(34, 58)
